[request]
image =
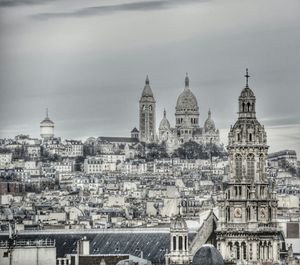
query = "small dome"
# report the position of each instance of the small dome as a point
(47, 122)
(247, 93)
(178, 224)
(208, 255)
(164, 124)
(209, 124)
(187, 100)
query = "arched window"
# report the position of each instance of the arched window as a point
(248, 107)
(250, 137)
(180, 243)
(261, 166)
(174, 242)
(250, 166)
(238, 166)
(237, 249)
(244, 250)
(185, 243)
(228, 214)
(243, 107)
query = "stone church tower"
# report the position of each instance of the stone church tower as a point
(247, 231)
(147, 115)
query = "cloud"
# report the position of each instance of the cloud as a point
(12, 3)
(108, 9)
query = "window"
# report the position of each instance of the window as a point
(174, 242)
(238, 166)
(250, 137)
(248, 107)
(250, 166)
(180, 243)
(261, 166)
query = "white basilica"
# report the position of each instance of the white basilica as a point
(187, 121)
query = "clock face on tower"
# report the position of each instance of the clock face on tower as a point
(238, 213)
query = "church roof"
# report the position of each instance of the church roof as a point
(154, 245)
(147, 91)
(187, 100)
(208, 255)
(117, 139)
(135, 130)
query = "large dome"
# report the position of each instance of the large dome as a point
(209, 124)
(187, 100)
(208, 255)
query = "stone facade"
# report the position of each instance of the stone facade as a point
(247, 230)
(147, 115)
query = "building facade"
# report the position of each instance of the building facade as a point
(247, 230)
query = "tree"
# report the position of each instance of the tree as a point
(156, 151)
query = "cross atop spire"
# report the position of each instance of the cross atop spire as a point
(179, 206)
(247, 77)
(147, 82)
(165, 113)
(187, 80)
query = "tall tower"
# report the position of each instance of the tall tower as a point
(247, 231)
(47, 127)
(147, 114)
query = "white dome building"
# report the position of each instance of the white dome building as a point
(187, 123)
(47, 128)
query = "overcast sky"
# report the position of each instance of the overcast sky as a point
(87, 61)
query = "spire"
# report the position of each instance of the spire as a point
(147, 82)
(187, 81)
(165, 113)
(247, 77)
(47, 116)
(179, 206)
(209, 113)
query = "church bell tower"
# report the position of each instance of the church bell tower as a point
(247, 230)
(147, 114)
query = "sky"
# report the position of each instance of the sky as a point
(86, 61)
